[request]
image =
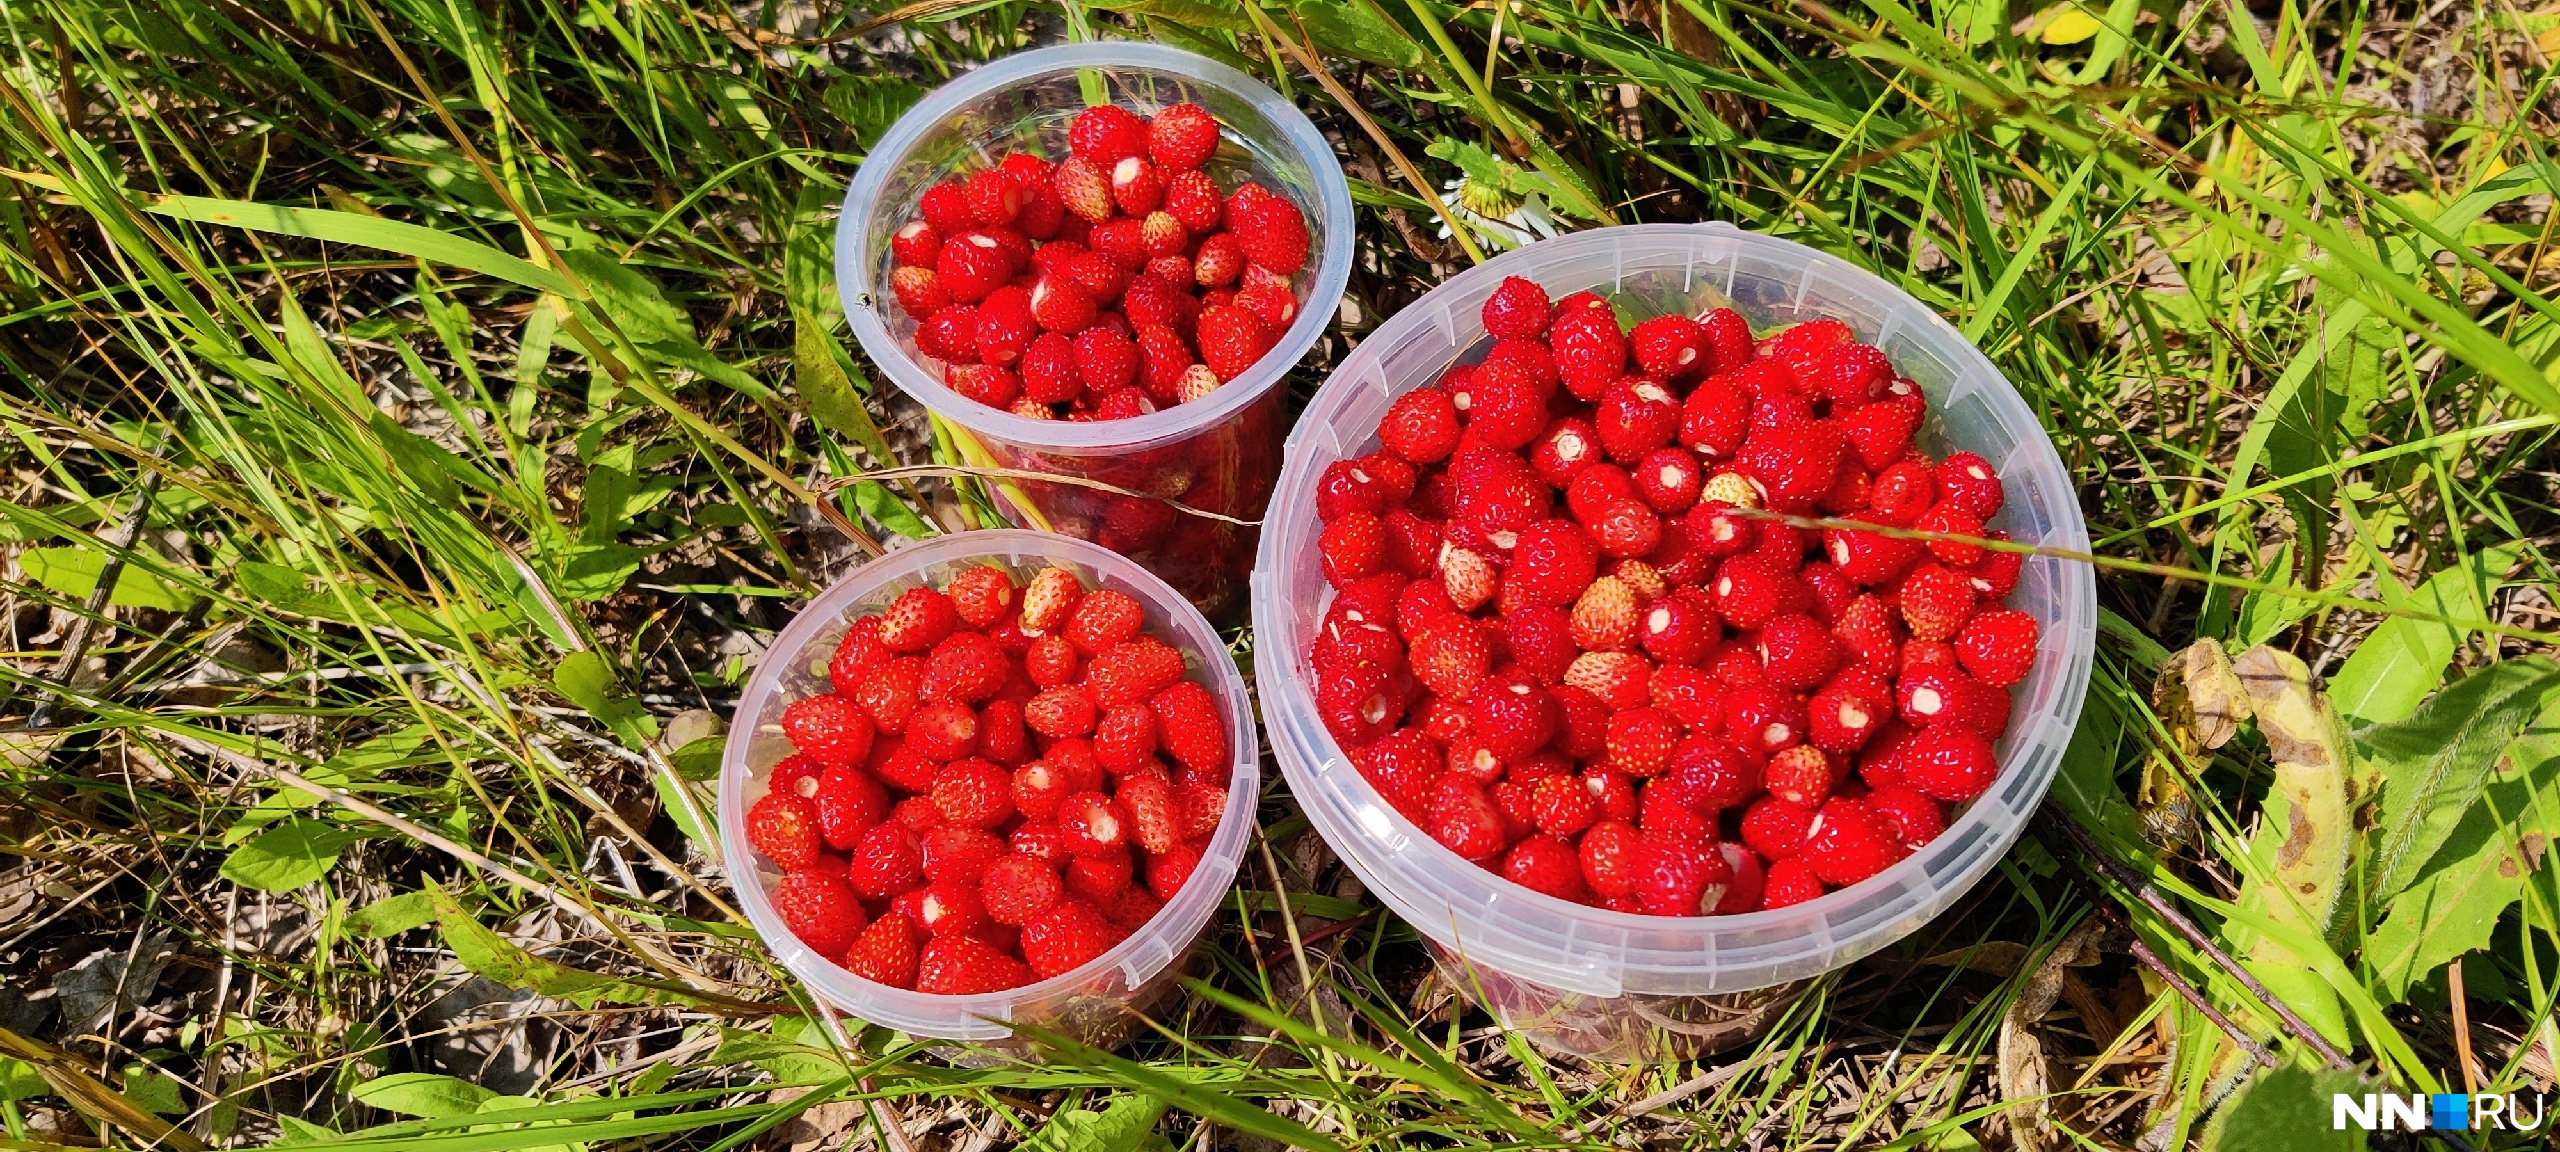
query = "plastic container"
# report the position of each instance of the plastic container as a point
(1618, 985)
(1218, 454)
(1095, 1003)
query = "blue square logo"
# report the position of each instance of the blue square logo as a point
(2452, 1111)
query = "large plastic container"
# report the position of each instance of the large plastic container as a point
(1218, 454)
(1617, 985)
(1096, 1002)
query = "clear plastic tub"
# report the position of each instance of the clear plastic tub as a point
(1218, 454)
(1095, 1003)
(1617, 985)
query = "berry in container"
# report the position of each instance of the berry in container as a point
(1095, 263)
(1645, 617)
(997, 778)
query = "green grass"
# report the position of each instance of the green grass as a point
(444, 384)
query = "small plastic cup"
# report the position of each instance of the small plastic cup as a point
(1218, 454)
(1097, 1003)
(1614, 985)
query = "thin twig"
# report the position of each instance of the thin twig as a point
(86, 629)
(2185, 990)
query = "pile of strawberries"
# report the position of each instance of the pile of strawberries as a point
(1109, 284)
(984, 800)
(1570, 642)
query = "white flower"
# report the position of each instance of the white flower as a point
(1526, 218)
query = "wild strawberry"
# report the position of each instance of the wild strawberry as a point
(1678, 878)
(797, 775)
(1848, 711)
(1560, 806)
(942, 732)
(1231, 339)
(1831, 592)
(1063, 937)
(1105, 133)
(1640, 742)
(1133, 907)
(1463, 818)
(1627, 529)
(919, 290)
(946, 207)
(1949, 762)
(1909, 816)
(830, 728)
(1597, 488)
(1091, 823)
(1790, 882)
(970, 266)
(950, 335)
(1606, 855)
(1513, 715)
(1967, 481)
(1467, 576)
(1751, 590)
(1498, 494)
(1776, 828)
(1505, 410)
(1167, 872)
(1869, 558)
(1606, 615)
(1803, 347)
(1936, 602)
(1728, 339)
(1190, 727)
(1796, 652)
(1528, 360)
(1997, 574)
(1734, 663)
(1881, 433)
(1121, 240)
(1100, 875)
(1517, 310)
(917, 620)
(884, 952)
(1715, 419)
(884, 862)
(1998, 646)
(1125, 738)
(1545, 864)
(1670, 347)
(1359, 703)
(1353, 546)
(1471, 757)
(1689, 694)
(1743, 892)
(1590, 350)
(784, 826)
(1801, 774)
(1038, 788)
(1049, 374)
(994, 197)
(1937, 654)
(1272, 231)
(1131, 671)
(967, 667)
(1711, 775)
(1635, 417)
(949, 908)
(1848, 843)
(916, 244)
(1193, 198)
(1421, 426)
(1552, 562)
(1002, 735)
(1794, 464)
(983, 383)
(1669, 480)
(1901, 493)
(1061, 711)
(1960, 527)
(1584, 732)
(963, 965)
(1100, 619)
(905, 769)
(1154, 816)
(1850, 374)
(1182, 137)
(1218, 263)
(1199, 807)
(1762, 718)
(1783, 544)
(1870, 632)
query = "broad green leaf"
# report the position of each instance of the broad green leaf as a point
(2404, 659)
(892, 511)
(425, 463)
(19, 1080)
(809, 255)
(392, 915)
(1120, 1126)
(73, 573)
(289, 855)
(587, 680)
(293, 1132)
(2285, 1110)
(783, 1054)
(827, 387)
(2480, 871)
(699, 759)
(423, 1094)
(674, 805)
(152, 1090)
(2434, 764)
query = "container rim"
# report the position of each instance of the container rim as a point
(1006, 545)
(1279, 682)
(1332, 263)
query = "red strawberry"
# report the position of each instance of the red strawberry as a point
(1130, 671)
(1231, 339)
(1193, 198)
(1049, 597)
(1061, 711)
(1969, 483)
(1125, 738)
(1353, 546)
(1100, 619)
(1849, 374)
(1801, 774)
(1133, 907)
(971, 265)
(1848, 843)
(1421, 426)
(1803, 347)
(919, 290)
(967, 667)
(984, 383)
(1517, 310)
(1090, 823)
(943, 732)
(994, 197)
(1881, 433)
(1936, 602)
(1711, 775)
(1669, 480)
(1912, 818)
(981, 596)
(915, 245)
(1065, 936)
(1871, 633)
(1998, 646)
(849, 801)
(1272, 231)
(1100, 875)
(1715, 419)
(1545, 864)
(830, 728)
(1182, 137)
(1790, 882)
(1751, 590)
(1677, 630)
(1190, 727)
(917, 620)
(958, 854)
(1744, 892)
(1049, 373)
(1514, 715)
(1728, 337)
(1997, 574)
(1627, 529)
(1505, 410)
(1952, 520)
(1849, 711)
(1795, 464)
(1796, 652)
(1635, 417)
(1776, 828)
(884, 862)
(966, 965)
(1274, 306)
(1552, 562)
(1607, 855)
(1762, 718)
(1061, 304)
(946, 207)
(784, 826)
(1017, 887)
(1901, 493)
(1641, 741)
(1949, 762)
(1678, 878)
(1105, 133)
(1869, 558)
(950, 334)
(1167, 872)
(1463, 818)
(1560, 806)
(1606, 615)
(885, 953)
(1219, 261)
(1618, 680)
(1590, 351)
(1670, 347)
(1122, 240)
(974, 793)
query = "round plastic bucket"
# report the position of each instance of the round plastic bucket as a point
(1095, 1003)
(1217, 454)
(1617, 985)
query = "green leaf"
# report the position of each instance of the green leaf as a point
(2455, 902)
(629, 298)
(485, 952)
(868, 104)
(587, 680)
(19, 1080)
(673, 804)
(2405, 659)
(422, 1094)
(289, 855)
(292, 1132)
(2285, 1110)
(1201, 1095)
(370, 231)
(392, 915)
(780, 1054)
(2434, 764)
(424, 462)
(1120, 1127)
(827, 387)
(893, 512)
(152, 1090)
(73, 573)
